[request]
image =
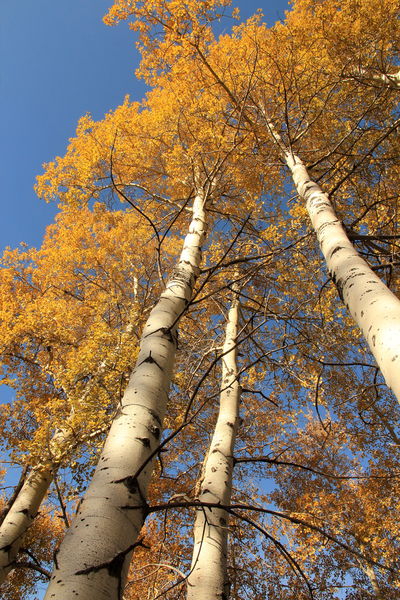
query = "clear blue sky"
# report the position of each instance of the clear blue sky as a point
(59, 61)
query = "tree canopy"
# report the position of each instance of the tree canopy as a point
(205, 350)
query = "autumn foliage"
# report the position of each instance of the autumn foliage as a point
(199, 198)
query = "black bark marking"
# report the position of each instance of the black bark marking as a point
(56, 551)
(339, 287)
(395, 357)
(337, 250)
(131, 483)
(230, 424)
(113, 567)
(373, 340)
(155, 416)
(145, 508)
(181, 275)
(166, 334)
(154, 431)
(144, 441)
(150, 360)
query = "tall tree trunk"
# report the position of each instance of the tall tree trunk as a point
(370, 572)
(372, 305)
(208, 579)
(375, 309)
(93, 559)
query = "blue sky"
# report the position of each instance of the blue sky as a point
(58, 62)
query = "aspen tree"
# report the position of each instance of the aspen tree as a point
(375, 309)
(372, 305)
(94, 556)
(35, 560)
(185, 158)
(78, 306)
(172, 151)
(25, 507)
(208, 578)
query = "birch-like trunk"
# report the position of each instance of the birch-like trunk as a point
(375, 309)
(391, 80)
(93, 559)
(20, 516)
(208, 579)
(369, 571)
(25, 507)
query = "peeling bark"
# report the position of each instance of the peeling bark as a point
(208, 579)
(94, 557)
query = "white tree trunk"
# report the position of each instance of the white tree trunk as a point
(208, 579)
(370, 573)
(94, 557)
(372, 305)
(391, 80)
(20, 516)
(35, 487)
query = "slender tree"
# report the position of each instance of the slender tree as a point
(209, 575)
(61, 315)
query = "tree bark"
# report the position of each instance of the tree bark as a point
(375, 309)
(370, 573)
(208, 579)
(93, 559)
(390, 80)
(20, 516)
